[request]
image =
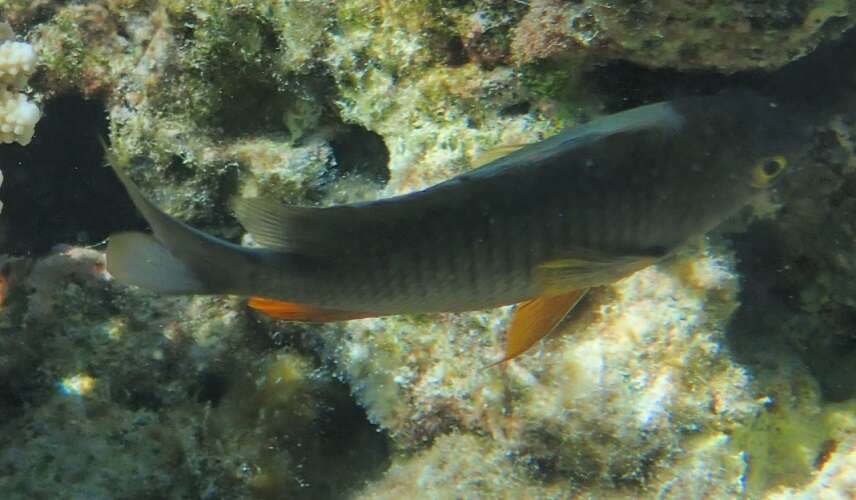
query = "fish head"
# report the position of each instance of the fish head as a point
(738, 144)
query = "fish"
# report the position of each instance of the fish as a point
(537, 227)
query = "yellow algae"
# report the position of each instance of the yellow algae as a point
(786, 444)
(115, 328)
(824, 11)
(284, 379)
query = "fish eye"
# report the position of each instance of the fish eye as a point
(772, 167)
(768, 169)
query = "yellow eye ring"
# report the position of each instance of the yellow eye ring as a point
(768, 169)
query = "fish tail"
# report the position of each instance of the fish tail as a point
(175, 258)
(141, 260)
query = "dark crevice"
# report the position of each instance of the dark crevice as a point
(256, 106)
(343, 451)
(624, 85)
(359, 151)
(57, 189)
(520, 108)
(213, 385)
(770, 313)
(456, 54)
(260, 103)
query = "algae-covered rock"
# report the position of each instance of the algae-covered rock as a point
(615, 399)
(116, 393)
(726, 36)
(639, 393)
(459, 465)
(836, 480)
(788, 443)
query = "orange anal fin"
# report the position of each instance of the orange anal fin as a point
(291, 311)
(535, 319)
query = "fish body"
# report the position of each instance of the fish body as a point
(580, 209)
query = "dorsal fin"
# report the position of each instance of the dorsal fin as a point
(268, 222)
(304, 230)
(661, 117)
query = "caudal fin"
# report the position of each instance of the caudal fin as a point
(139, 259)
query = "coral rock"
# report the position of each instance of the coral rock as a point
(680, 34)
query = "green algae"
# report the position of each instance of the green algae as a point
(785, 447)
(239, 69)
(65, 62)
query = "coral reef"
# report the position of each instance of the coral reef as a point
(787, 438)
(18, 116)
(109, 393)
(726, 371)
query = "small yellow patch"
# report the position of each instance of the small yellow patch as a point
(80, 384)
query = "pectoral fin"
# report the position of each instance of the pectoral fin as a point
(585, 270)
(290, 311)
(535, 319)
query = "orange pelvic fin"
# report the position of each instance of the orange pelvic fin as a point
(291, 311)
(535, 319)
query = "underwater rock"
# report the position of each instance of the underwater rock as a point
(277, 170)
(613, 400)
(459, 465)
(82, 265)
(199, 94)
(436, 119)
(686, 35)
(464, 464)
(639, 397)
(23, 12)
(109, 392)
(785, 444)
